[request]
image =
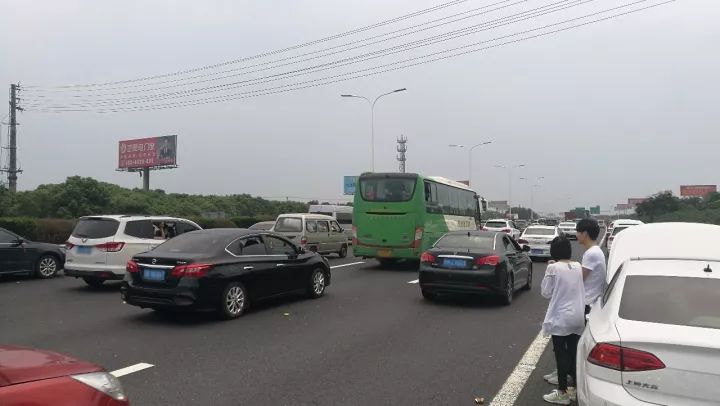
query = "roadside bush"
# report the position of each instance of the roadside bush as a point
(214, 223)
(245, 222)
(24, 226)
(55, 231)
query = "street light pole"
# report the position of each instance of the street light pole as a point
(532, 194)
(372, 119)
(470, 150)
(510, 169)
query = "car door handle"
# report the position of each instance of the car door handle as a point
(248, 268)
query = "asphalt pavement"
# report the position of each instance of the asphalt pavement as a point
(371, 340)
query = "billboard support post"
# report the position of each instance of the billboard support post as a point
(146, 179)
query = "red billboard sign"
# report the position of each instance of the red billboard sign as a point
(697, 190)
(148, 152)
(634, 201)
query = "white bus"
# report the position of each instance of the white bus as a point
(343, 215)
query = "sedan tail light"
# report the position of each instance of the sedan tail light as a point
(111, 246)
(103, 382)
(69, 245)
(191, 270)
(132, 267)
(427, 258)
(522, 241)
(492, 260)
(623, 359)
(506, 230)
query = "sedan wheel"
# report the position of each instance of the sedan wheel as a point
(46, 267)
(318, 282)
(234, 301)
(508, 292)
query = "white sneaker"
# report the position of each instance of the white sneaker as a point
(572, 392)
(558, 398)
(551, 375)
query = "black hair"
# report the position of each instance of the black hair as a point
(560, 248)
(589, 226)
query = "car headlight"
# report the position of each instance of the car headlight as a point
(104, 382)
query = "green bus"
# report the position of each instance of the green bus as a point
(400, 215)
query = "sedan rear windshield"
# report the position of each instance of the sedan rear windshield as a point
(671, 300)
(496, 224)
(464, 241)
(568, 225)
(92, 228)
(289, 225)
(539, 231)
(197, 242)
(387, 189)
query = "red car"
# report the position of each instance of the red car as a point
(30, 376)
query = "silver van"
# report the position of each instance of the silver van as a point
(314, 232)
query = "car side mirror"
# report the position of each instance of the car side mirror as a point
(526, 248)
(19, 242)
(301, 250)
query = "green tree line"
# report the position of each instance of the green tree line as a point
(664, 207)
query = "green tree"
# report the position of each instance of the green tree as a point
(659, 204)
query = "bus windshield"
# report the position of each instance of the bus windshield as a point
(387, 189)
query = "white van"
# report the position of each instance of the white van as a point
(100, 246)
(343, 215)
(314, 232)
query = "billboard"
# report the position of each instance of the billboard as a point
(595, 210)
(147, 152)
(634, 201)
(501, 205)
(349, 184)
(623, 207)
(697, 190)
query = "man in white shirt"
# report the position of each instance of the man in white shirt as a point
(593, 261)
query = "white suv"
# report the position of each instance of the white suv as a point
(100, 246)
(506, 226)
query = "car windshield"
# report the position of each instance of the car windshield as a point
(567, 225)
(496, 224)
(387, 189)
(618, 229)
(539, 231)
(95, 228)
(194, 242)
(671, 300)
(465, 241)
(289, 225)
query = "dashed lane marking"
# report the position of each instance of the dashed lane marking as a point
(516, 381)
(415, 281)
(344, 265)
(131, 369)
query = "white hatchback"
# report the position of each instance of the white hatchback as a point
(653, 338)
(569, 228)
(100, 246)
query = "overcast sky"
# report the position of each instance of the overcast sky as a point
(621, 108)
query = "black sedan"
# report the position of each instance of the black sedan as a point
(18, 255)
(224, 270)
(475, 262)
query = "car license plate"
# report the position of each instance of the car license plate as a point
(454, 263)
(153, 275)
(84, 250)
(536, 251)
(384, 253)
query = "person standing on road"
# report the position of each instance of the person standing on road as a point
(564, 320)
(593, 261)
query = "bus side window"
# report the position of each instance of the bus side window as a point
(431, 198)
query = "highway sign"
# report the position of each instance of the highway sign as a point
(349, 184)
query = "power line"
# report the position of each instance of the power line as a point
(278, 51)
(293, 87)
(503, 21)
(283, 59)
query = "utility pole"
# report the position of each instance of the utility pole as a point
(402, 149)
(12, 169)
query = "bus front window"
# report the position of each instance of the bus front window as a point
(387, 189)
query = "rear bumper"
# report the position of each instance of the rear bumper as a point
(389, 252)
(99, 274)
(539, 251)
(178, 297)
(460, 282)
(93, 269)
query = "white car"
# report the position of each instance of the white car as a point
(617, 226)
(653, 338)
(506, 226)
(100, 246)
(538, 238)
(569, 228)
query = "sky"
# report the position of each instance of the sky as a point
(620, 108)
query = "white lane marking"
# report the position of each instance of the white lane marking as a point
(516, 381)
(415, 281)
(350, 264)
(131, 369)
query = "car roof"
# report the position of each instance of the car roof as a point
(487, 221)
(664, 241)
(693, 268)
(542, 227)
(131, 217)
(312, 215)
(567, 222)
(626, 222)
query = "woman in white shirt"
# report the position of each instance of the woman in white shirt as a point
(565, 317)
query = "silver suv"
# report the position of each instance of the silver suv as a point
(100, 246)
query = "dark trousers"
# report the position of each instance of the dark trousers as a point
(565, 348)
